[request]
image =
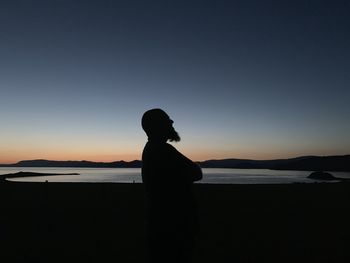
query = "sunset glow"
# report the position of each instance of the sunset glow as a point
(239, 80)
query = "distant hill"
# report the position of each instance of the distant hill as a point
(303, 163)
(81, 164)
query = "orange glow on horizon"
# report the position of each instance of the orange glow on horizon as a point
(131, 157)
(13, 155)
(106, 159)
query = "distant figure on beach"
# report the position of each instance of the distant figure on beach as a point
(168, 176)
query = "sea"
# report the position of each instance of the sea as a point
(133, 175)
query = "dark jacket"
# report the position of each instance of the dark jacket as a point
(168, 178)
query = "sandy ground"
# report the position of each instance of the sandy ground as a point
(84, 222)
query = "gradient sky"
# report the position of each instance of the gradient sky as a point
(241, 79)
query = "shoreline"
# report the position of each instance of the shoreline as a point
(32, 174)
(236, 176)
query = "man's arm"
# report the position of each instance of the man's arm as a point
(186, 166)
(197, 172)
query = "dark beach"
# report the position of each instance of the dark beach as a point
(85, 222)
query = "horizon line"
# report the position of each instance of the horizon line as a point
(213, 159)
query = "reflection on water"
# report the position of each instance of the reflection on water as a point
(130, 175)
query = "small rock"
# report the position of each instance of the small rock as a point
(319, 175)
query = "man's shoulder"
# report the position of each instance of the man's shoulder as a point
(159, 149)
(164, 145)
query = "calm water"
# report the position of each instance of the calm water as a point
(129, 175)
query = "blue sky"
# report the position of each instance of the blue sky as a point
(241, 79)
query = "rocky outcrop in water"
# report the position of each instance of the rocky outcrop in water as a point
(319, 175)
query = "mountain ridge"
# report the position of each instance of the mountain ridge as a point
(305, 163)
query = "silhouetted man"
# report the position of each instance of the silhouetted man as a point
(168, 176)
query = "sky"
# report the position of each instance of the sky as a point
(241, 79)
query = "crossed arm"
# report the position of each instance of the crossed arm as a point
(187, 167)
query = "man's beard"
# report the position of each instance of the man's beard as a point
(174, 136)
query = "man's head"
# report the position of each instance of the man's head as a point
(157, 125)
